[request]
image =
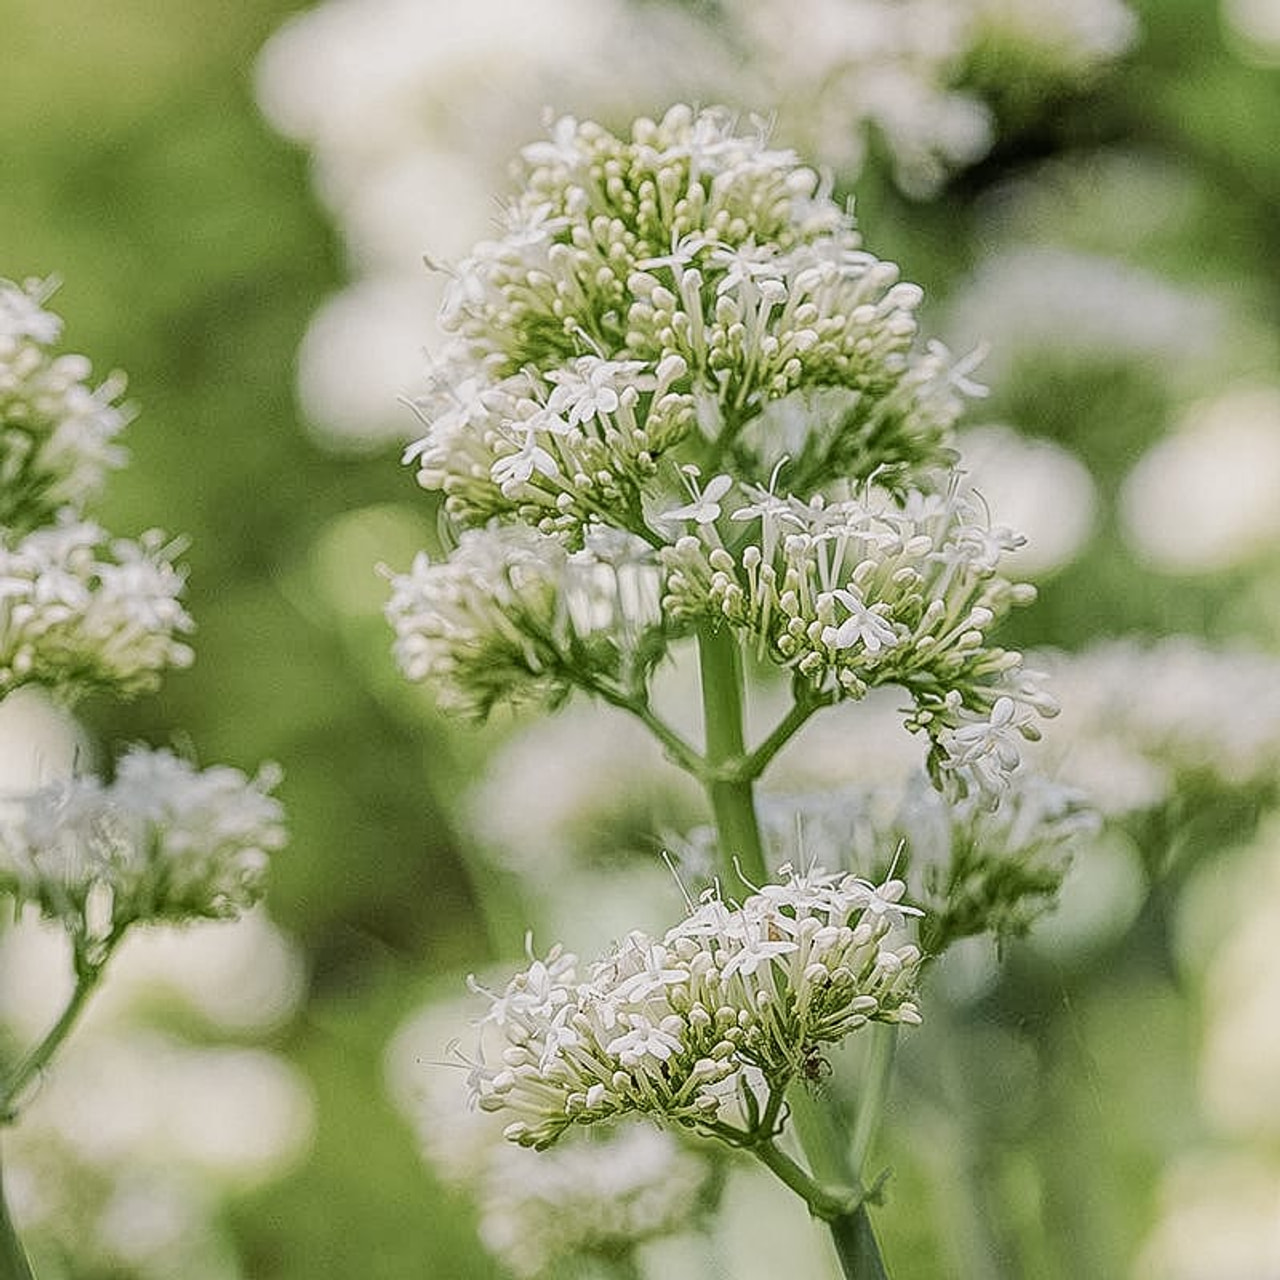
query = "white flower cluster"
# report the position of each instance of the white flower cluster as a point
(57, 433)
(511, 612)
(731, 1004)
(80, 610)
(1203, 498)
(867, 591)
(164, 841)
(598, 1198)
(659, 293)
(1087, 308)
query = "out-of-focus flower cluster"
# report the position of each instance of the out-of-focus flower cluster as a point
(1217, 1206)
(1142, 719)
(57, 432)
(130, 1147)
(731, 1004)
(163, 841)
(398, 103)
(79, 610)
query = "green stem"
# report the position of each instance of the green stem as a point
(15, 1085)
(677, 749)
(819, 1125)
(732, 799)
(856, 1246)
(827, 1203)
(13, 1259)
(783, 732)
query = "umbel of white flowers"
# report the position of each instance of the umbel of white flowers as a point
(707, 1025)
(163, 841)
(79, 609)
(681, 394)
(57, 432)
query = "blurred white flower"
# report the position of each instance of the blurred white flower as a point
(80, 611)
(1255, 26)
(1219, 1219)
(1207, 497)
(1034, 486)
(1100, 309)
(241, 976)
(607, 1190)
(1139, 716)
(362, 355)
(132, 1138)
(162, 841)
(1240, 1052)
(1070, 40)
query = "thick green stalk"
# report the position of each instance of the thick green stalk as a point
(732, 801)
(818, 1122)
(13, 1260)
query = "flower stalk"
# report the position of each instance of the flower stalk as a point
(819, 1124)
(730, 793)
(40, 1056)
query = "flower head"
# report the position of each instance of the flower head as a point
(163, 841)
(732, 999)
(681, 282)
(57, 432)
(80, 611)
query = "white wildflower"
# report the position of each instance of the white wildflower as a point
(164, 840)
(79, 611)
(731, 999)
(57, 433)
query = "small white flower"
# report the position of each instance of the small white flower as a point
(517, 469)
(863, 625)
(705, 507)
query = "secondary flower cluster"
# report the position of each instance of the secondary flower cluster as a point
(972, 869)
(78, 610)
(590, 1198)
(512, 613)
(691, 1028)
(163, 841)
(57, 432)
(653, 296)
(868, 591)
